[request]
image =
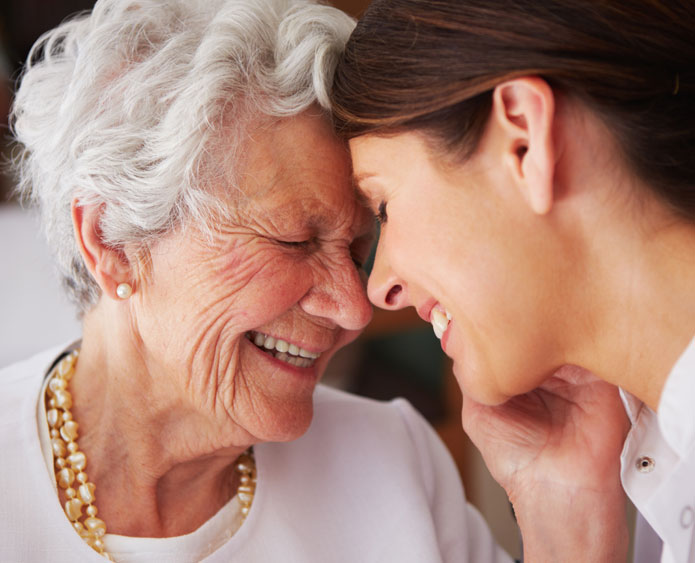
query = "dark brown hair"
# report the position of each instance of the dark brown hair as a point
(431, 66)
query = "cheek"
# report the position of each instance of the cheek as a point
(500, 341)
(412, 251)
(199, 307)
(500, 353)
(257, 288)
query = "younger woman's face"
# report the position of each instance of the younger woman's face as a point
(460, 244)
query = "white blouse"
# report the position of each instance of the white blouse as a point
(658, 468)
(368, 482)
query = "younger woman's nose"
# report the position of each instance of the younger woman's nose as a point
(385, 289)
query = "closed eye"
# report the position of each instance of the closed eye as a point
(361, 248)
(299, 244)
(359, 257)
(381, 215)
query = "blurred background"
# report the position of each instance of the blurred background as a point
(398, 355)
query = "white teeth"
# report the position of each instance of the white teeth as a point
(306, 354)
(290, 353)
(294, 360)
(438, 332)
(440, 321)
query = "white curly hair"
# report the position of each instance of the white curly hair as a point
(120, 107)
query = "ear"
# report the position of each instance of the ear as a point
(109, 266)
(525, 109)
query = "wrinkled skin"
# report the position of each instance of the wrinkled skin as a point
(561, 440)
(169, 389)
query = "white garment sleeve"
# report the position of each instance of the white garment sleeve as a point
(457, 521)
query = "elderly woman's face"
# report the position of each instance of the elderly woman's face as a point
(246, 322)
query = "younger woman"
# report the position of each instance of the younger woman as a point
(533, 168)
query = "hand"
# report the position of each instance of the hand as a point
(556, 451)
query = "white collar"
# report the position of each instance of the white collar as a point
(675, 411)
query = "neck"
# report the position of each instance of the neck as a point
(627, 260)
(161, 466)
(640, 301)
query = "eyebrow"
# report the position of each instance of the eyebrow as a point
(357, 178)
(361, 197)
(359, 191)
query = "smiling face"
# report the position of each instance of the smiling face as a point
(241, 326)
(457, 242)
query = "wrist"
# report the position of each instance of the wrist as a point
(569, 526)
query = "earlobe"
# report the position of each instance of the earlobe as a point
(109, 266)
(525, 110)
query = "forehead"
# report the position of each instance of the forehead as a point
(296, 151)
(297, 168)
(392, 158)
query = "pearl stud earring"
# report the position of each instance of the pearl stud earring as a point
(124, 290)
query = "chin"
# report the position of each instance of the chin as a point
(471, 387)
(488, 398)
(286, 422)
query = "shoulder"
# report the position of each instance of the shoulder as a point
(24, 369)
(24, 481)
(23, 379)
(382, 474)
(342, 412)
(359, 449)
(391, 431)
(351, 437)
(329, 398)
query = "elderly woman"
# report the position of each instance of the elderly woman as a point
(202, 217)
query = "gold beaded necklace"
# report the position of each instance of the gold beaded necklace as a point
(70, 462)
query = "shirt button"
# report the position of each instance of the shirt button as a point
(645, 464)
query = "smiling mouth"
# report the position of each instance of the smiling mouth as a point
(440, 318)
(283, 351)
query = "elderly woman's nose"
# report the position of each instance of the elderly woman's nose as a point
(385, 289)
(339, 295)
